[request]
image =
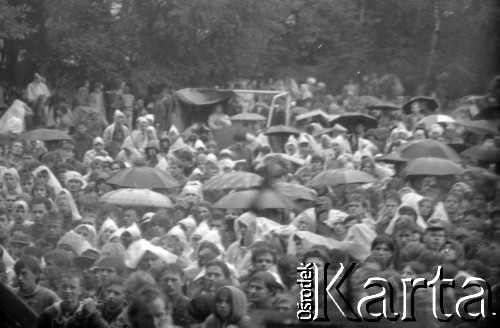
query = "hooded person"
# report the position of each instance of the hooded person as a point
(12, 121)
(119, 119)
(45, 175)
(201, 230)
(88, 232)
(409, 204)
(292, 146)
(175, 241)
(245, 228)
(150, 135)
(141, 254)
(108, 227)
(97, 150)
(306, 221)
(11, 182)
(128, 153)
(173, 133)
(187, 225)
(73, 242)
(192, 193)
(230, 306)
(66, 206)
(20, 222)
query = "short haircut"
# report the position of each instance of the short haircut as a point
(51, 217)
(28, 262)
(160, 270)
(42, 200)
(263, 250)
(267, 279)
(117, 281)
(185, 155)
(59, 257)
(206, 204)
(383, 239)
(72, 273)
(222, 265)
(139, 280)
(287, 262)
(141, 300)
(391, 194)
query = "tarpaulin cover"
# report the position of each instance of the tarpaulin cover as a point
(200, 97)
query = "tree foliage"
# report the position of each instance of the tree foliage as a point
(207, 43)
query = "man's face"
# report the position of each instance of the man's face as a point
(434, 239)
(152, 315)
(130, 216)
(355, 208)
(172, 284)
(98, 146)
(203, 213)
(10, 181)
(20, 214)
(316, 165)
(37, 211)
(147, 261)
(191, 198)
(27, 281)
(27, 186)
(115, 168)
(264, 262)
(52, 229)
(115, 295)
(107, 274)
(406, 214)
(258, 292)
(205, 256)
(17, 148)
(70, 290)
(390, 207)
(403, 237)
(4, 221)
(451, 204)
(213, 275)
(27, 158)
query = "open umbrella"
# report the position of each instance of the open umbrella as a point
(488, 113)
(299, 110)
(248, 117)
(295, 191)
(282, 129)
(233, 180)
(431, 104)
(314, 114)
(45, 135)
(427, 148)
(260, 199)
(432, 166)
(366, 101)
(482, 127)
(383, 106)
(339, 177)
(458, 146)
(391, 158)
(143, 177)
(350, 120)
(429, 120)
(136, 197)
(483, 153)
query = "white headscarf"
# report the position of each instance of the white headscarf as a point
(53, 182)
(74, 210)
(138, 248)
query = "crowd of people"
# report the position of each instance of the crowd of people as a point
(78, 262)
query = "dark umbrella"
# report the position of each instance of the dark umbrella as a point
(483, 153)
(350, 120)
(488, 113)
(45, 135)
(143, 177)
(458, 146)
(383, 106)
(427, 148)
(430, 103)
(261, 199)
(482, 127)
(340, 177)
(295, 191)
(392, 158)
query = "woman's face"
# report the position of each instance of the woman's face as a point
(40, 191)
(425, 208)
(469, 180)
(191, 198)
(106, 233)
(382, 251)
(452, 204)
(10, 181)
(17, 148)
(64, 205)
(43, 176)
(149, 134)
(406, 214)
(84, 232)
(339, 228)
(303, 225)
(97, 168)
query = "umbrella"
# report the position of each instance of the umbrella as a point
(428, 121)
(365, 101)
(281, 129)
(458, 146)
(295, 191)
(427, 148)
(383, 106)
(45, 135)
(488, 113)
(261, 199)
(233, 180)
(313, 114)
(248, 117)
(340, 177)
(274, 158)
(136, 197)
(432, 166)
(392, 158)
(349, 120)
(430, 103)
(482, 127)
(143, 177)
(483, 153)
